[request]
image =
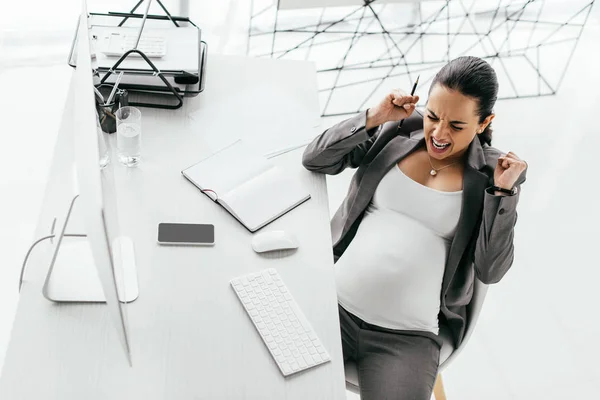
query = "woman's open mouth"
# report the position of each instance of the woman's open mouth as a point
(439, 147)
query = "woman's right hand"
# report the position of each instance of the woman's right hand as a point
(395, 106)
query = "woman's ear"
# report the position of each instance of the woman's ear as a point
(486, 122)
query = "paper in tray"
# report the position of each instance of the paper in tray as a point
(149, 77)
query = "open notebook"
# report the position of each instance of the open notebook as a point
(247, 185)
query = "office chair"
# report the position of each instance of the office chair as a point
(447, 352)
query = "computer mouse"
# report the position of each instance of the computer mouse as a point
(273, 240)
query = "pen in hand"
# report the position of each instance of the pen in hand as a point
(395, 107)
(412, 93)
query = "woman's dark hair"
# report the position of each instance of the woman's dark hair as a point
(475, 78)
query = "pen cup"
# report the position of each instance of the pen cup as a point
(106, 112)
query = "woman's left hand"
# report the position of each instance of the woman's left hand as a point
(508, 170)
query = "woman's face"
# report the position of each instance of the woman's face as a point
(451, 122)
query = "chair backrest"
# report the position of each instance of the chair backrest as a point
(473, 309)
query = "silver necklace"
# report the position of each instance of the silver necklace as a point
(434, 171)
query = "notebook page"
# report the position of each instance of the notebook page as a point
(265, 198)
(227, 169)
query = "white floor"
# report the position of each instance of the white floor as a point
(538, 331)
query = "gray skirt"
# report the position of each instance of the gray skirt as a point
(392, 364)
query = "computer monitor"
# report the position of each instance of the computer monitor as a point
(94, 268)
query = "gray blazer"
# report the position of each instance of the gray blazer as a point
(483, 243)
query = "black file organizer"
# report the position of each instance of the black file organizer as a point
(166, 89)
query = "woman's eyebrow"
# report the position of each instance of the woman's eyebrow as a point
(452, 122)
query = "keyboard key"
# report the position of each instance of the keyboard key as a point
(286, 369)
(308, 359)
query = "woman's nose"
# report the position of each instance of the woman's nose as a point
(440, 128)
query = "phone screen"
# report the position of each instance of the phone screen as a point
(171, 233)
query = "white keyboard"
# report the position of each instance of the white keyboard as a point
(117, 43)
(285, 331)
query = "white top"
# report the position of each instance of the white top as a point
(391, 273)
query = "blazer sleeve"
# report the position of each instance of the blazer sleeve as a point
(346, 143)
(341, 146)
(494, 249)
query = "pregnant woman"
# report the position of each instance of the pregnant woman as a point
(431, 206)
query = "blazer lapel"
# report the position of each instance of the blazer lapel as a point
(474, 185)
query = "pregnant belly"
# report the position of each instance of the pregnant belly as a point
(392, 262)
(396, 243)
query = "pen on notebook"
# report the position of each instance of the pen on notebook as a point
(114, 90)
(412, 93)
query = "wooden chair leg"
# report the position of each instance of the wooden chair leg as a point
(438, 389)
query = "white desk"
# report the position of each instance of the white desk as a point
(190, 337)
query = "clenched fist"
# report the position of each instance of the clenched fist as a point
(507, 170)
(395, 106)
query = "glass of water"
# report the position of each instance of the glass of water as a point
(129, 135)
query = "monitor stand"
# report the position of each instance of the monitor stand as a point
(72, 276)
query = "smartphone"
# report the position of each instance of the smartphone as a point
(186, 234)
